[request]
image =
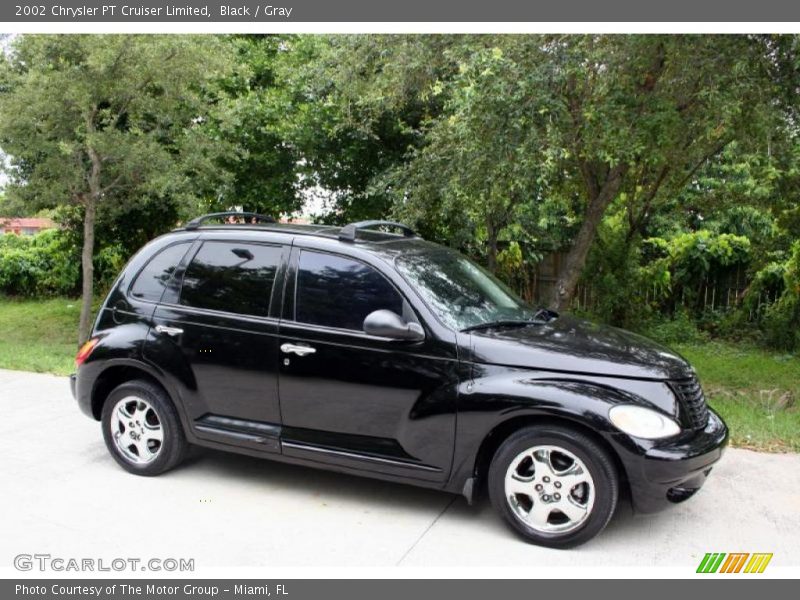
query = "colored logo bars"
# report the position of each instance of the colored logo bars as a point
(735, 562)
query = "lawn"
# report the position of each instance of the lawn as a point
(757, 392)
(39, 335)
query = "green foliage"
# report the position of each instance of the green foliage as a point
(140, 103)
(520, 138)
(677, 268)
(39, 265)
(782, 319)
(692, 257)
(681, 328)
(618, 280)
(250, 117)
(104, 120)
(355, 107)
(499, 145)
(48, 264)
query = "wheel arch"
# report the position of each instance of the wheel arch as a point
(501, 432)
(116, 375)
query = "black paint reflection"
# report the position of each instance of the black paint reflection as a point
(570, 344)
(339, 292)
(152, 280)
(229, 277)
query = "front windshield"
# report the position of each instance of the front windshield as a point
(460, 292)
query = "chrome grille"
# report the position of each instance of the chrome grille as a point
(693, 402)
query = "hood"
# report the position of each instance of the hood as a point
(574, 345)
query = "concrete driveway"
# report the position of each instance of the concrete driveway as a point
(63, 494)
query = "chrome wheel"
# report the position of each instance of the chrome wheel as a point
(136, 430)
(549, 489)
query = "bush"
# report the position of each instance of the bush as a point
(688, 260)
(614, 275)
(781, 320)
(47, 263)
(680, 329)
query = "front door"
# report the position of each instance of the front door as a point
(356, 400)
(220, 340)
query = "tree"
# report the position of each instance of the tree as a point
(560, 125)
(97, 120)
(483, 161)
(358, 103)
(251, 117)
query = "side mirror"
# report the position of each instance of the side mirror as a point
(385, 323)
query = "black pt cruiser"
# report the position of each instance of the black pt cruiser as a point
(367, 350)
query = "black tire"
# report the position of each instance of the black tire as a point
(173, 446)
(596, 460)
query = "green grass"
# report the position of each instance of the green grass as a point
(757, 392)
(39, 335)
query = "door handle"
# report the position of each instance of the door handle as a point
(172, 331)
(300, 350)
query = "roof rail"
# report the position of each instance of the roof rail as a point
(195, 223)
(349, 232)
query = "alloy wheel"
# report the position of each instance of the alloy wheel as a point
(136, 430)
(549, 489)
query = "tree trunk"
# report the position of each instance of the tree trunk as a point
(491, 243)
(87, 265)
(567, 281)
(90, 201)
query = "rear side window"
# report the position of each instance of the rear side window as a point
(231, 277)
(153, 279)
(339, 292)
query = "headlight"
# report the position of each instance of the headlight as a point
(642, 422)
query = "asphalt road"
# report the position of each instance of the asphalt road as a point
(63, 494)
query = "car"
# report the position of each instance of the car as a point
(367, 350)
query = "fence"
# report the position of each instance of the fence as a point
(721, 293)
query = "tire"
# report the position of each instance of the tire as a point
(529, 474)
(142, 429)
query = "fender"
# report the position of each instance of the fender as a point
(497, 395)
(92, 372)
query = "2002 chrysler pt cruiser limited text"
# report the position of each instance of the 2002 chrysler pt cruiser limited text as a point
(367, 350)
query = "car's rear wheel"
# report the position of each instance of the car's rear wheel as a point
(555, 486)
(141, 428)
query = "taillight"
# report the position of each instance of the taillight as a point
(85, 351)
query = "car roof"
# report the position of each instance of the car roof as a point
(380, 242)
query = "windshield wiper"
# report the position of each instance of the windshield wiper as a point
(541, 317)
(545, 315)
(502, 323)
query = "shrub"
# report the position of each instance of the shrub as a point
(781, 321)
(613, 273)
(47, 263)
(680, 329)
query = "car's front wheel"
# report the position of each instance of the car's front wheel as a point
(555, 486)
(141, 428)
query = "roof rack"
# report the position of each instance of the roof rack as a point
(195, 223)
(349, 232)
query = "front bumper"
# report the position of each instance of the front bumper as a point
(666, 472)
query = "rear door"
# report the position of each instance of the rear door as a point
(217, 334)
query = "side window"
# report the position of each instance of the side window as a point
(339, 292)
(231, 277)
(154, 277)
